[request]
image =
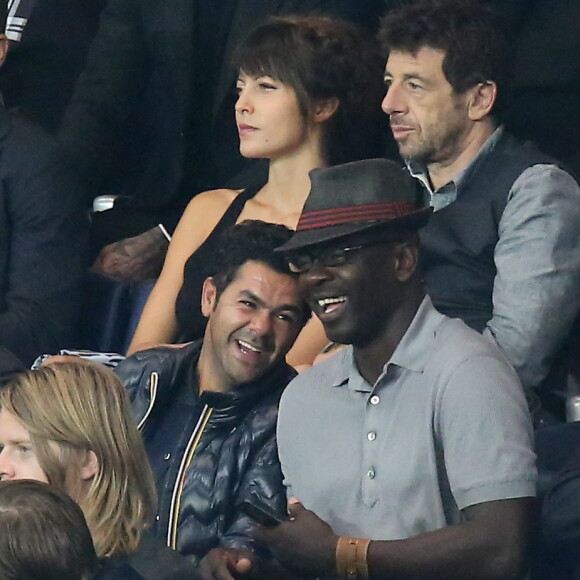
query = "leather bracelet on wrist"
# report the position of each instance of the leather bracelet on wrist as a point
(351, 558)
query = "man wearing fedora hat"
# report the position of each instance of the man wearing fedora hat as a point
(409, 450)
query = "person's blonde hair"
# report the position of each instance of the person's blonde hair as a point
(84, 407)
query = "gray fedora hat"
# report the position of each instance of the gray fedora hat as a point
(355, 197)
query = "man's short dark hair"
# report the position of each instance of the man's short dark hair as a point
(43, 534)
(250, 241)
(466, 30)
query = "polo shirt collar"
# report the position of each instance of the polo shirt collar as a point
(416, 345)
(412, 353)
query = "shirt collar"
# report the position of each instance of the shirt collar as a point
(419, 170)
(416, 345)
(411, 353)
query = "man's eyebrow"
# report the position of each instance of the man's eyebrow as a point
(260, 302)
(251, 296)
(415, 77)
(407, 77)
(289, 308)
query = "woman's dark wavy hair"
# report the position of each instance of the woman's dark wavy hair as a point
(468, 31)
(321, 58)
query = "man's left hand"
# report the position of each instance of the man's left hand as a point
(304, 544)
(226, 564)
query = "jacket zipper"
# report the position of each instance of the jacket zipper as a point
(180, 480)
(153, 380)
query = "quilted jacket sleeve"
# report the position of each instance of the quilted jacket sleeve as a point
(262, 482)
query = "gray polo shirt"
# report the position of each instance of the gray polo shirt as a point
(445, 426)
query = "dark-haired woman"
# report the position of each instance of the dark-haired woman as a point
(309, 90)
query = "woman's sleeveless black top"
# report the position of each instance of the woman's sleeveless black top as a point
(190, 321)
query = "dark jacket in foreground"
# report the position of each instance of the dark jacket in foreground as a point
(152, 561)
(42, 243)
(235, 456)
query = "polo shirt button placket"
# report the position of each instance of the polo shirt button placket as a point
(369, 488)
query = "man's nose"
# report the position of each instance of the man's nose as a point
(261, 323)
(393, 101)
(315, 275)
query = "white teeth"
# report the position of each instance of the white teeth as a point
(249, 346)
(327, 301)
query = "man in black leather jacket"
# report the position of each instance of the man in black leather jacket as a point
(208, 410)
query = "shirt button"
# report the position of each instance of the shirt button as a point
(375, 399)
(157, 518)
(167, 456)
(371, 473)
(371, 436)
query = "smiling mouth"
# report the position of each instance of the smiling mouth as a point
(246, 346)
(329, 305)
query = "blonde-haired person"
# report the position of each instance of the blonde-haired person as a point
(70, 425)
(309, 89)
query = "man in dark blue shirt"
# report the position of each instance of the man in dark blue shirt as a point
(208, 410)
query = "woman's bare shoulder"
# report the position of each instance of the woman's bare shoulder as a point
(201, 216)
(215, 198)
(208, 206)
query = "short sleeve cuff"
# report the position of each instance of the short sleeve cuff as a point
(513, 489)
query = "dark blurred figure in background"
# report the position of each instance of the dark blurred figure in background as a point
(545, 105)
(49, 41)
(10, 365)
(558, 451)
(42, 238)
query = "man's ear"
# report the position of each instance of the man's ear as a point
(3, 48)
(208, 297)
(90, 466)
(324, 109)
(481, 100)
(406, 255)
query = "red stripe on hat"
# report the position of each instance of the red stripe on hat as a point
(359, 213)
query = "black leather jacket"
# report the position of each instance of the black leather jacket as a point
(235, 456)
